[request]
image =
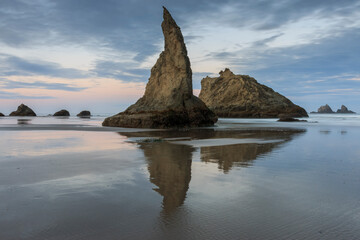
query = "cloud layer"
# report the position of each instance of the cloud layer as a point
(307, 50)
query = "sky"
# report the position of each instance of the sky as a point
(97, 55)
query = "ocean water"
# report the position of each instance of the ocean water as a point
(243, 179)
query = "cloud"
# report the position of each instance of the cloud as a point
(353, 79)
(11, 84)
(292, 45)
(124, 71)
(15, 66)
(274, 14)
(264, 42)
(10, 95)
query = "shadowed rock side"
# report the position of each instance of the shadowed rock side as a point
(344, 109)
(168, 100)
(242, 96)
(22, 111)
(62, 113)
(2, 115)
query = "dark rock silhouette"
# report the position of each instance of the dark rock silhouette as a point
(290, 119)
(231, 95)
(2, 115)
(344, 109)
(325, 109)
(168, 100)
(84, 114)
(62, 113)
(23, 110)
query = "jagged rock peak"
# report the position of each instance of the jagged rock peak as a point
(231, 95)
(226, 73)
(168, 100)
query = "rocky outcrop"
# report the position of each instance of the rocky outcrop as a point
(325, 109)
(168, 100)
(84, 114)
(344, 109)
(242, 96)
(23, 110)
(2, 115)
(62, 113)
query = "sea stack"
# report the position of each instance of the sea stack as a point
(22, 111)
(168, 101)
(344, 109)
(2, 115)
(325, 109)
(84, 114)
(62, 113)
(241, 96)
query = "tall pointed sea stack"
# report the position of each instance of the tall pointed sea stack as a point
(168, 100)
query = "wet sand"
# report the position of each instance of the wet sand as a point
(78, 180)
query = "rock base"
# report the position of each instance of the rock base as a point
(164, 119)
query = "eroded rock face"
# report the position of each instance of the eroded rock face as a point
(84, 114)
(242, 96)
(23, 110)
(344, 109)
(168, 100)
(62, 113)
(325, 109)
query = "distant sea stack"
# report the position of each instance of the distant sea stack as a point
(241, 96)
(62, 113)
(22, 111)
(2, 115)
(344, 109)
(325, 109)
(168, 101)
(84, 114)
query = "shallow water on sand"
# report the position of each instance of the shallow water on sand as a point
(228, 182)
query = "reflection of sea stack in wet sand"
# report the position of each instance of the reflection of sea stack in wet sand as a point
(233, 95)
(23, 111)
(168, 100)
(169, 166)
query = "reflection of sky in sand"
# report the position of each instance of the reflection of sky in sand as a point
(86, 183)
(40, 143)
(101, 184)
